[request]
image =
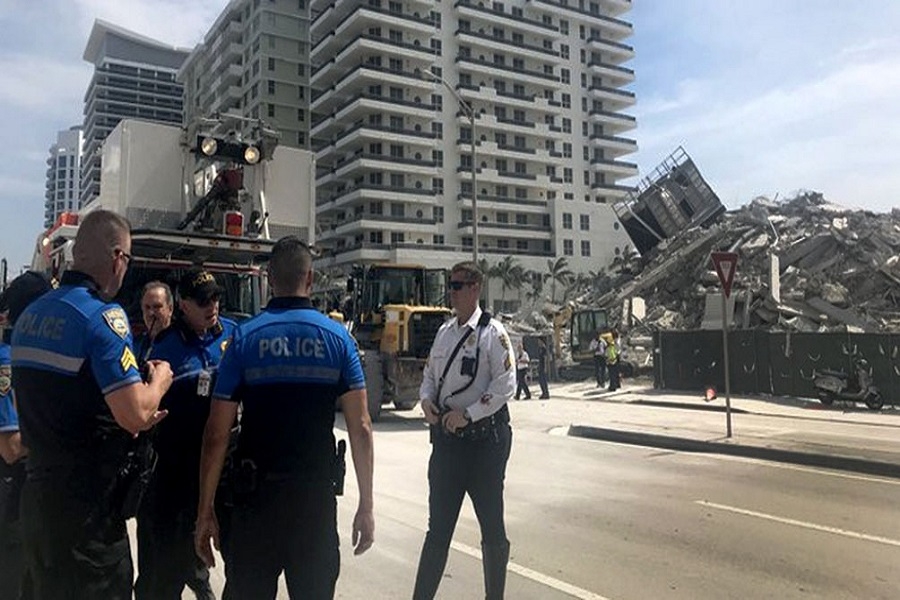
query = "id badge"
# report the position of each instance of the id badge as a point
(203, 383)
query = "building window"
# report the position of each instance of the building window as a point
(522, 245)
(438, 214)
(398, 209)
(567, 220)
(585, 222)
(437, 184)
(376, 237)
(271, 64)
(301, 138)
(521, 219)
(398, 180)
(438, 240)
(502, 217)
(270, 109)
(585, 248)
(271, 87)
(301, 115)
(568, 247)
(564, 51)
(503, 244)
(567, 175)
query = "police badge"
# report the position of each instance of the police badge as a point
(117, 321)
(5, 379)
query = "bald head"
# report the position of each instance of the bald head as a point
(290, 267)
(102, 249)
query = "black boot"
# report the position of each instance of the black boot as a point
(431, 569)
(494, 558)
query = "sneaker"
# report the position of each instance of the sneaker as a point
(543, 397)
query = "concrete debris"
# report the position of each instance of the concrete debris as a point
(837, 269)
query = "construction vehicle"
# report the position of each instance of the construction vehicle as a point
(195, 197)
(394, 312)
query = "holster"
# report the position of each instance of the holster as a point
(132, 479)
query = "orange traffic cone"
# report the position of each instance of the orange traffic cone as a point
(711, 394)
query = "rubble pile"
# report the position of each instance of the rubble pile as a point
(839, 270)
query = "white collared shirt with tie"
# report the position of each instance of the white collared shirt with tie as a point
(495, 379)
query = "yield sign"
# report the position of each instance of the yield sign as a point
(726, 265)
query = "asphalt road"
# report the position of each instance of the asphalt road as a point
(592, 519)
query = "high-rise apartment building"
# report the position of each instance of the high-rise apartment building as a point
(63, 175)
(134, 78)
(254, 63)
(545, 79)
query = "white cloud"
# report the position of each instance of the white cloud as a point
(175, 22)
(819, 134)
(36, 84)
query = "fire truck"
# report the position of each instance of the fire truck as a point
(195, 196)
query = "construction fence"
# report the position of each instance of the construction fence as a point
(778, 363)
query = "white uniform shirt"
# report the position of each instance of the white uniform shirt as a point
(522, 360)
(495, 381)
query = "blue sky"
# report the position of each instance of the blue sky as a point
(768, 96)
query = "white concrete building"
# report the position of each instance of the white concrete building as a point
(63, 175)
(134, 78)
(545, 78)
(254, 63)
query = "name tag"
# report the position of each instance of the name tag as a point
(203, 383)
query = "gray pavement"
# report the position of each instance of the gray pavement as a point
(792, 430)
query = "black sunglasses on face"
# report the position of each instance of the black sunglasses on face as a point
(203, 303)
(458, 285)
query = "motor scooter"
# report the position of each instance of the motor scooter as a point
(834, 385)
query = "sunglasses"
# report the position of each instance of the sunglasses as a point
(458, 285)
(203, 303)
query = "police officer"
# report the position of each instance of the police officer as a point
(157, 310)
(13, 582)
(467, 382)
(287, 367)
(81, 398)
(193, 345)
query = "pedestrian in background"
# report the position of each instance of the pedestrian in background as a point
(286, 367)
(467, 383)
(612, 360)
(193, 345)
(14, 580)
(543, 362)
(81, 399)
(523, 363)
(598, 347)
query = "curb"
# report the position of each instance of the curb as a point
(841, 463)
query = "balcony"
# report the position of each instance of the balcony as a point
(618, 168)
(486, 67)
(618, 75)
(613, 121)
(614, 50)
(618, 98)
(369, 191)
(615, 27)
(364, 104)
(365, 75)
(618, 146)
(381, 162)
(363, 132)
(489, 15)
(612, 190)
(340, 13)
(358, 50)
(498, 44)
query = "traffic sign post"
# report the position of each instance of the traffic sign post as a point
(725, 264)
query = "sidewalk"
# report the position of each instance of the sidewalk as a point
(792, 430)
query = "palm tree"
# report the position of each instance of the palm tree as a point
(509, 272)
(489, 273)
(622, 264)
(557, 272)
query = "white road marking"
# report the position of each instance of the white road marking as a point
(845, 532)
(552, 582)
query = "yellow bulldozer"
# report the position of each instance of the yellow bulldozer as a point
(394, 312)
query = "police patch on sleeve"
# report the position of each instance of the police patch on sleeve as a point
(507, 363)
(5, 379)
(117, 321)
(127, 361)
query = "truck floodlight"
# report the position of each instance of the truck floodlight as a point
(209, 146)
(251, 155)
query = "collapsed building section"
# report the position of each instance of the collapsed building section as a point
(674, 197)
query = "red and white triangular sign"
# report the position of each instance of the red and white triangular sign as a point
(725, 264)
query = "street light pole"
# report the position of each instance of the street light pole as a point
(470, 113)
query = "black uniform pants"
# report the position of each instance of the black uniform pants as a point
(285, 525)
(167, 560)
(614, 382)
(71, 550)
(458, 467)
(13, 580)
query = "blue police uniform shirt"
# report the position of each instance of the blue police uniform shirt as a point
(178, 437)
(287, 367)
(9, 420)
(70, 348)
